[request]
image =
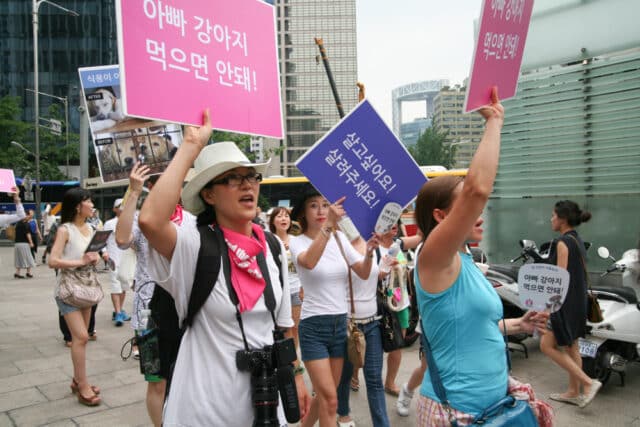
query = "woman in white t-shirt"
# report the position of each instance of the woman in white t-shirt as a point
(207, 387)
(323, 275)
(280, 225)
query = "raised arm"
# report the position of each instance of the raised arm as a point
(442, 244)
(155, 216)
(124, 236)
(309, 258)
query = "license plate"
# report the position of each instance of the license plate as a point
(587, 348)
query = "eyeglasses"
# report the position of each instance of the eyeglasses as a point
(234, 180)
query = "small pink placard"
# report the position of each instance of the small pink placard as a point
(179, 57)
(7, 181)
(504, 25)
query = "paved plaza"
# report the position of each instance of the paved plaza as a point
(35, 369)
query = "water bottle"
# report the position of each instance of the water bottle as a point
(143, 322)
(348, 228)
(385, 266)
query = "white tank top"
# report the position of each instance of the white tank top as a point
(77, 243)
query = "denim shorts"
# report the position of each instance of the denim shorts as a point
(65, 308)
(322, 337)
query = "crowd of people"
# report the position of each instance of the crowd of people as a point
(285, 308)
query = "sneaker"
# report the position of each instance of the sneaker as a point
(125, 316)
(118, 320)
(403, 404)
(113, 316)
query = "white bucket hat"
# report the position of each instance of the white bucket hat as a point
(212, 161)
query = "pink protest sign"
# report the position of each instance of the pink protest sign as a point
(7, 181)
(179, 57)
(498, 55)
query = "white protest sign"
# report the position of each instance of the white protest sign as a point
(543, 287)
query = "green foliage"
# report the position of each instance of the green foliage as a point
(53, 148)
(431, 149)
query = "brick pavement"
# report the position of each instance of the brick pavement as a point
(35, 369)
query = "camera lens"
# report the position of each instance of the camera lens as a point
(265, 397)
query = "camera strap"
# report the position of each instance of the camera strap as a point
(269, 297)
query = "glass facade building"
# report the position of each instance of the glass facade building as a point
(309, 107)
(572, 132)
(65, 43)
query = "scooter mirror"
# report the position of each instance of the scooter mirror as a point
(603, 252)
(527, 244)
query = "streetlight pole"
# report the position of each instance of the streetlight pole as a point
(35, 6)
(65, 102)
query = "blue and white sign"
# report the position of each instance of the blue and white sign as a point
(543, 287)
(361, 158)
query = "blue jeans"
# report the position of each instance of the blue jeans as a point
(372, 375)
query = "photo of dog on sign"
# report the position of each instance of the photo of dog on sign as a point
(104, 108)
(154, 146)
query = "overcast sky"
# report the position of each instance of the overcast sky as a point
(407, 41)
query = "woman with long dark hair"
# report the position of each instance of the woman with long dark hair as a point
(560, 342)
(68, 252)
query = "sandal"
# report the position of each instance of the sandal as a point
(17, 276)
(74, 387)
(93, 400)
(30, 276)
(355, 384)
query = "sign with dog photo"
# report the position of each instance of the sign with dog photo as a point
(118, 140)
(180, 57)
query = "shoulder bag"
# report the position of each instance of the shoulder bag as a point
(79, 287)
(506, 412)
(594, 313)
(356, 344)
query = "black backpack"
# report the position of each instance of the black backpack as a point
(162, 305)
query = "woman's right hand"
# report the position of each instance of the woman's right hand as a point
(90, 258)
(139, 174)
(199, 136)
(336, 212)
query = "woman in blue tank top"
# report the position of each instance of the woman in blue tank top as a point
(460, 310)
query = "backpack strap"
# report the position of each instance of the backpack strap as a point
(274, 246)
(207, 270)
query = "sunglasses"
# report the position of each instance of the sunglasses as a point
(234, 180)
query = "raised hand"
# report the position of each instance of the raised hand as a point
(336, 211)
(199, 135)
(139, 174)
(495, 111)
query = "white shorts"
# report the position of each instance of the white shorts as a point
(119, 284)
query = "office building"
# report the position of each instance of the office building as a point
(463, 130)
(425, 92)
(309, 107)
(411, 131)
(65, 43)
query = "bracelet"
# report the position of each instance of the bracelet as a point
(298, 370)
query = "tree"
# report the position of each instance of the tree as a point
(432, 149)
(53, 148)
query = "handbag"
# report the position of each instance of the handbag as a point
(356, 344)
(79, 287)
(508, 411)
(594, 313)
(391, 331)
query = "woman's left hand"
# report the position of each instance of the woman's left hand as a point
(372, 244)
(533, 320)
(304, 399)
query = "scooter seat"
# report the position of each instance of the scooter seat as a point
(623, 291)
(508, 270)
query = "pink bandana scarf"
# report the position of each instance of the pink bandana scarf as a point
(176, 216)
(246, 277)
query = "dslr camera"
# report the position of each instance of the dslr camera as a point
(271, 371)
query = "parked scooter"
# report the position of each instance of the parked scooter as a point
(615, 341)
